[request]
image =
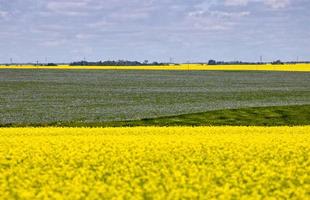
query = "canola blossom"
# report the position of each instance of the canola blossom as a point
(155, 163)
(263, 67)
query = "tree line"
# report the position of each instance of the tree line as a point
(146, 62)
(115, 63)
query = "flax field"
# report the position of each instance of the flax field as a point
(46, 96)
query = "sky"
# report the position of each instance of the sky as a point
(154, 30)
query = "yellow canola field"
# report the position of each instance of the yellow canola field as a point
(155, 163)
(267, 67)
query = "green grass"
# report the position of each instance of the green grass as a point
(263, 116)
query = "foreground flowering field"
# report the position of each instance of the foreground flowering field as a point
(155, 163)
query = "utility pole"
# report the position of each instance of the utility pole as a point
(11, 61)
(261, 59)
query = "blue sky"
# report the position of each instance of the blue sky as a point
(186, 30)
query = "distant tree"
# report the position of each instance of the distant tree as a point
(113, 63)
(277, 62)
(212, 62)
(51, 64)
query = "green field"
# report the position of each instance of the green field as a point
(30, 97)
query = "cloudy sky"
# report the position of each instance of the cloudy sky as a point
(186, 30)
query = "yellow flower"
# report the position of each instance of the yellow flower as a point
(155, 163)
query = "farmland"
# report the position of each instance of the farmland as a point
(46, 96)
(161, 155)
(155, 163)
(178, 67)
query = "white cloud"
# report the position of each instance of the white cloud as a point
(66, 5)
(84, 36)
(277, 4)
(211, 17)
(70, 7)
(222, 14)
(236, 2)
(218, 14)
(53, 43)
(82, 50)
(3, 14)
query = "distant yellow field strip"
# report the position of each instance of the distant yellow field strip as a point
(155, 163)
(267, 67)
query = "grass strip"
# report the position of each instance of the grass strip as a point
(262, 116)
